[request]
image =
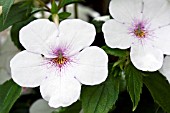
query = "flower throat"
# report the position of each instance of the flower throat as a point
(60, 60)
(139, 31)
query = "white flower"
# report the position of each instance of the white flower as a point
(144, 26)
(165, 70)
(59, 59)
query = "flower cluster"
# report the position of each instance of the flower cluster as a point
(59, 58)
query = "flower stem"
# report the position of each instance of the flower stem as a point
(64, 9)
(59, 5)
(76, 10)
(43, 4)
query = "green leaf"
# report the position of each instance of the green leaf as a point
(134, 84)
(54, 8)
(15, 31)
(6, 5)
(100, 98)
(64, 15)
(115, 52)
(159, 89)
(16, 14)
(9, 93)
(63, 3)
(74, 108)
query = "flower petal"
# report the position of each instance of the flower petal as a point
(41, 106)
(60, 90)
(146, 57)
(116, 35)
(35, 36)
(162, 39)
(27, 69)
(125, 10)
(157, 12)
(76, 33)
(92, 68)
(165, 70)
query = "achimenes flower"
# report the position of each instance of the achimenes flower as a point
(59, 60)
(144, 26)
(165, 70)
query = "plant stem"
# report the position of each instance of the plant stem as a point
(59, 5)
(76, 10)
(65, 9)
(43, 4)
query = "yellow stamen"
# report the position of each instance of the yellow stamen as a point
(139, 33)
(60, 60)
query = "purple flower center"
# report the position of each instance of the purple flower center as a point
(61, 59)
(139, 29)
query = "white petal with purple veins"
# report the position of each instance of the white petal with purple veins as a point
(60, 90)
(125, 10)
(76, 34)
(116, 35)
(146, 57)
(92, 66)
(35, 36)
(28, 69)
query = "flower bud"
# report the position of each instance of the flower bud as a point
(55, 18)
